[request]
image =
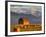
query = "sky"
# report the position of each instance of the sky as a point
(26, 9)
(33, 13)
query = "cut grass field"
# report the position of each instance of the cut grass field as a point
(23, 28)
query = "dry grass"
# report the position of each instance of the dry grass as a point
(32, 27)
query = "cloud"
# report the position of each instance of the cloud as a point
(34, 10)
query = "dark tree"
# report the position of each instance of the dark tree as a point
(20, 21)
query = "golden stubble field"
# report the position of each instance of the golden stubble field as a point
(23, 28)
